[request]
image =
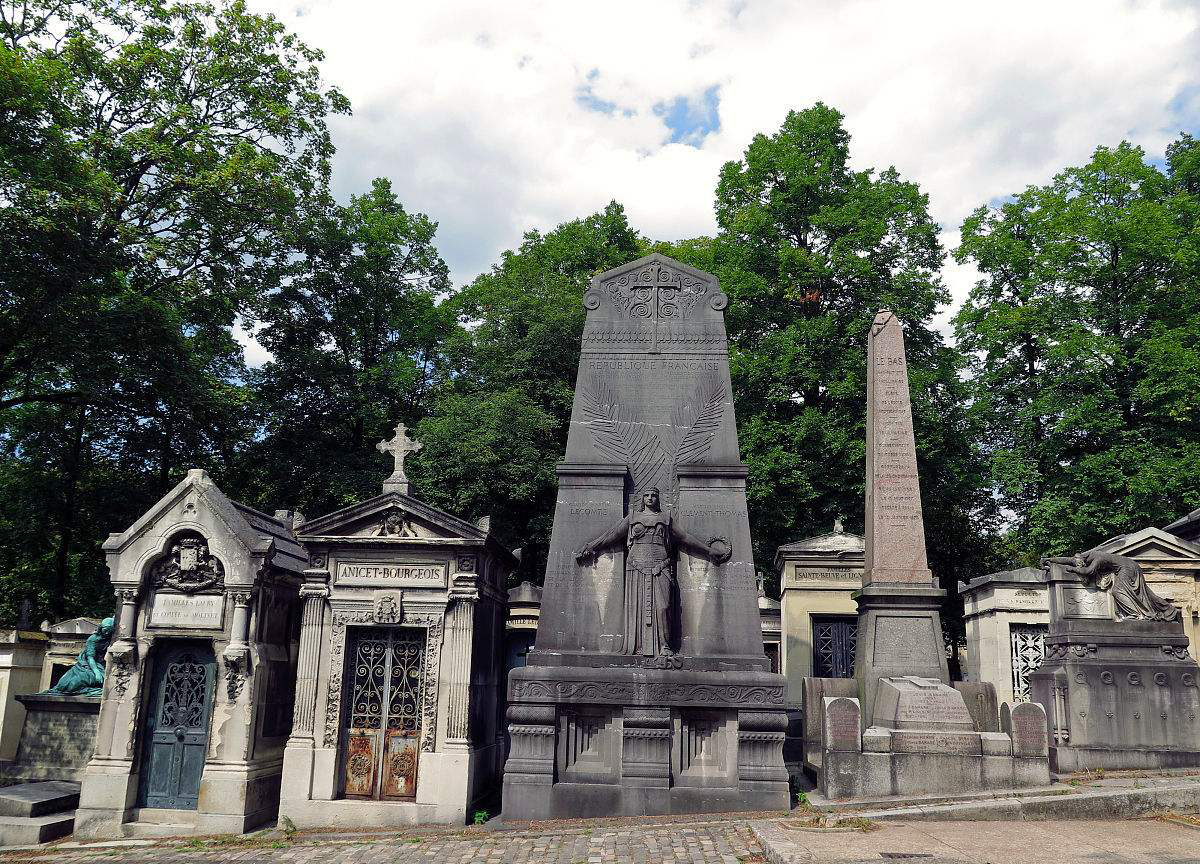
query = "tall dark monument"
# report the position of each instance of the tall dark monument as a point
(648, 690)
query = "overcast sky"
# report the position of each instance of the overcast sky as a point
(497, 117)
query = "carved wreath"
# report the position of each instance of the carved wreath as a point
(652, 460)
(189, 567)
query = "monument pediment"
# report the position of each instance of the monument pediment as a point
(232, 535)
(1152, 545)
(392, 516)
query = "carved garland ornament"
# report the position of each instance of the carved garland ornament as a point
(432, 622)
(631, 692)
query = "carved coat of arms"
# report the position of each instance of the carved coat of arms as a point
(189, 567)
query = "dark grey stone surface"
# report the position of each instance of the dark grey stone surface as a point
(650, 600)
(57, 739)
(1117, 693)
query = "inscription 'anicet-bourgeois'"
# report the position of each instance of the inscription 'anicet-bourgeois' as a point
(396, 575)
(895, 536)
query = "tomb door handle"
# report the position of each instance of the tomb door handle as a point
(179, 731)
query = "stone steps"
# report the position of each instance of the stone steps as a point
(32, 813)
(39, 799)
(159, 822)
(31, 830)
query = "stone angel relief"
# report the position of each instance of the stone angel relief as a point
(651, 600)
(1123, 579)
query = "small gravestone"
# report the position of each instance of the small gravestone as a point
(1025, 723)
(842, 725)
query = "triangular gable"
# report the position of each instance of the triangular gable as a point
(195, 503)
(368, 519)
(1152, 545)
(661, 260)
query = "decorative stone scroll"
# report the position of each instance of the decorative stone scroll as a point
(433, 624)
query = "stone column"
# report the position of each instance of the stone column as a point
(458, 663)
(236, 655)
(646, 749)
(303, 718)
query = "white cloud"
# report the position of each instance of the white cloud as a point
(473, 108)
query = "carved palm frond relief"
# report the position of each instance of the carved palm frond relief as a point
(623, 440)
(701, 418)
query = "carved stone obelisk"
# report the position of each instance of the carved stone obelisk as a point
(899, 623)
(648, 690)
(909, 732)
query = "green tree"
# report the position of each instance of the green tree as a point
(356, 335)
(1084, 339)
(808, 251)
(151, 157)
(499, 424)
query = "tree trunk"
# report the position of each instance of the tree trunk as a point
(74, 466)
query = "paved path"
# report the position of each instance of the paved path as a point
(698, 841)
(1074, 842)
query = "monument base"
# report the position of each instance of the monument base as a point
(899, 633)
(56, 739)
(1119, 695)
(629, 741)
(924, 740)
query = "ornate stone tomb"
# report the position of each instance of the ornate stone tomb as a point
(198, 679)
(1118, 686)
(398, 697)
(648, 690)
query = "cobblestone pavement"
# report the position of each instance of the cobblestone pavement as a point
(725, 842)
(748, 839)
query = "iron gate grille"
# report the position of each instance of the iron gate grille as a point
(1028, 649)
(384, 723)
(834, 641)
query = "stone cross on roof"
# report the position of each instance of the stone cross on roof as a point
(399, 447)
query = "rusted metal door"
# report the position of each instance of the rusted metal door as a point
(384, 722)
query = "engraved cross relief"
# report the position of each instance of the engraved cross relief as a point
(655, 294)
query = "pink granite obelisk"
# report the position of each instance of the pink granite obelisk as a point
(895, 547)
(899, 622)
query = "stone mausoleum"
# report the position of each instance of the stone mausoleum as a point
(398, 704)
(197, 694)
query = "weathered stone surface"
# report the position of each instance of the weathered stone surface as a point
(899, 623)
(1025, 723)
(926, 704)
(1118, 694)
(650, 597)
(895, 538)
(842, 725)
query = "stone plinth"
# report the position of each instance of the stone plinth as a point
(649, 691)
(56, 738)
(1117, 694)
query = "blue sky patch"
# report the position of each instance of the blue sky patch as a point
(692, 120)
(586, 96)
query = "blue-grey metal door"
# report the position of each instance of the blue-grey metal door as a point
(176, 732)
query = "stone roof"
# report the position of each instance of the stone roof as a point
(1019, 575)
(831, 542)
(1187, 527)
(526, 592)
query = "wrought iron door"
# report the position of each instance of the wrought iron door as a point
(1028, 650)
(384, 724)
(176, 732)
(834, 641)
